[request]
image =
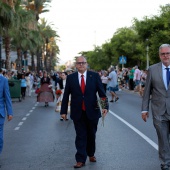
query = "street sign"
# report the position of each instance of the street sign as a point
(122, 60)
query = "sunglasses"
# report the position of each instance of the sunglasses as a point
(81, 63)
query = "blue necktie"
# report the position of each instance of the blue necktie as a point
(167, 76)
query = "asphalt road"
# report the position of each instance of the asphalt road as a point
(36, 139)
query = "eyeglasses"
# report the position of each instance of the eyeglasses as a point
(163, 54)
(81, 63)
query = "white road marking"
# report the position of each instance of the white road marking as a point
(17, 128)
(20, 123)
(153, 144)
(25, 118)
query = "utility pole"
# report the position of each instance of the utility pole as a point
(147, 55)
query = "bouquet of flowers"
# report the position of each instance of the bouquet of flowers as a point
(58, 96)
(37, 91)
(102, 104)
(58, 92)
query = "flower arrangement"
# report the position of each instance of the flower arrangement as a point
(102, 104)
(58, 92)
(37, 91)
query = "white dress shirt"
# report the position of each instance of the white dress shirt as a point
(79, 77)
(164, 75)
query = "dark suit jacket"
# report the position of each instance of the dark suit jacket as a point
(45, 81)
(60, 83)
(93, 85)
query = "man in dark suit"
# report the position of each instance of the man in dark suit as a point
(83, 86)
(157, 89)
(5, 105)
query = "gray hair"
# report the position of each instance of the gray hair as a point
(164, 45)
(81, 57)
(112, 69)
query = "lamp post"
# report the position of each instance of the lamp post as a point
(147, 55)
(0, 52)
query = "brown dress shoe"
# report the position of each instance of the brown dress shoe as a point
(92, 159)
(79, 165)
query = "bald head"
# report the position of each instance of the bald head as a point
(81, 64)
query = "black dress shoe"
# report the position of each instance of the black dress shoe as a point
(111, 101)
(79, 165)
(163, 167)
(117, 98)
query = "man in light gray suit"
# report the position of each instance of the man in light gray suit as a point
(157, 89)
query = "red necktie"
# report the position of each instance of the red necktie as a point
(83, 89)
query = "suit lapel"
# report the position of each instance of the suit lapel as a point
(76, 80)
(160, 73)
(88, 80)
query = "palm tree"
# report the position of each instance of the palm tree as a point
(19, 36)
(49, 35)
(38, 6)
(7, 17)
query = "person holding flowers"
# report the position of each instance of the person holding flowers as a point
(60, 91)
(45, 93)
(83, 86)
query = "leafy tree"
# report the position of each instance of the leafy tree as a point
(62, 67)
(156, 29)
(7, 18)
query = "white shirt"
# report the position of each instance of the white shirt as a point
(164, 75)
(104, 79)
(79, 77)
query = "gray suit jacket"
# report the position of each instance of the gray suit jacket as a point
(155, 91)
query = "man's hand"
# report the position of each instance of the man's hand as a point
(104, 112)
(64, 116)
(10, 117)
(145, 116)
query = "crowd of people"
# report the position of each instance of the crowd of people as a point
(132, 79)
(113, 80)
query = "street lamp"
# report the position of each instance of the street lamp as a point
(147, 55)
(0, 52)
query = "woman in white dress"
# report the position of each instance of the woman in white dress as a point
(28, 81)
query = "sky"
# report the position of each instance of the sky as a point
(83, 24)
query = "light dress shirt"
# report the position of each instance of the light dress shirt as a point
(79, 77)
(164, 75)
